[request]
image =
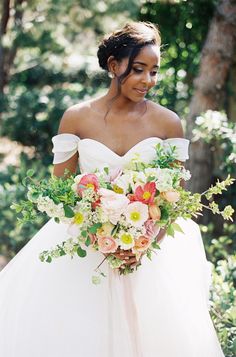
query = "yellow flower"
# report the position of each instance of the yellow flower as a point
(78, 218)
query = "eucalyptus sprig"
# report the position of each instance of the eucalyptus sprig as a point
(56, 188)
(165, 156)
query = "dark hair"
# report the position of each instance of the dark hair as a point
(127, 42)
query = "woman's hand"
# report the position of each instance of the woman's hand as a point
(127, 255)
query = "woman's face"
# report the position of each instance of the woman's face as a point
(143, 75)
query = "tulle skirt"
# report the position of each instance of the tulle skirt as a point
(161, 310)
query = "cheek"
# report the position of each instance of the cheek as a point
(129, 82)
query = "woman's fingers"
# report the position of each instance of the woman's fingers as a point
(124, 254)
(131, 261)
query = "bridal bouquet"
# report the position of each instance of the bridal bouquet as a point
(110, 210)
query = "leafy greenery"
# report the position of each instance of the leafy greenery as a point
(12, 237)
(55, 68)
(223, 303)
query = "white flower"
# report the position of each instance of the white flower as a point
(151, 171)
(121, 183)
(136, 213)
(74, 230)
(46, 204)
(68, 246)
(126, 240)
(185, 174)
(135, 178)
(164, 180)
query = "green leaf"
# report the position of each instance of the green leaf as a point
(30, 172)
(170, 231)
(150, 178)
(164, 214)
(114, 230)
(24, 181)
(81, 252)
(18, 208)
(84, 234)
(106, 169)
(149, 254)
(56, 219)
(69, 213)
(177, 227)
(93, 229)
(88, 242)
(49, 259)
(155, 245)
(96, 280)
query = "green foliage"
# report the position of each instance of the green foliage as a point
(219, 245)
(215, 129)
(223, 301)
(53, 68)
(220, 238)
(183, 26)
(44, 83)
(165, 157)
(12, 237)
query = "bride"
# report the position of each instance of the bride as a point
(161, 310)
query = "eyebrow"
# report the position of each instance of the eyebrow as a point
(144, 64)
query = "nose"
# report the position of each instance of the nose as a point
(147, 79)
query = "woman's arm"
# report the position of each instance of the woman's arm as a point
(70, 165)
(68, 126)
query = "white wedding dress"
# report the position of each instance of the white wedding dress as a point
(161, 310)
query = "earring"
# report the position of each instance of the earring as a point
(111, 75)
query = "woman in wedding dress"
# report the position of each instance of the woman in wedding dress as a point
(161, 310)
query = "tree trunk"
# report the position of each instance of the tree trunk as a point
(231, 94)
(3, 28)
(7, 55)
(215, 65)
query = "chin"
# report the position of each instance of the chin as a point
(137, 100)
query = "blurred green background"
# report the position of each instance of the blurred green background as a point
(48, 63)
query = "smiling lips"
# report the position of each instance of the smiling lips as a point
(141, 91)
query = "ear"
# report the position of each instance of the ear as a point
(112, 65)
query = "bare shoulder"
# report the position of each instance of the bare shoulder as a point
(168, 120)
(74, 117)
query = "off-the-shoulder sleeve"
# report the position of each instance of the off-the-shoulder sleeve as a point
(181, 145)
(64, 147)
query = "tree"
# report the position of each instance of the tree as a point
(217, 58)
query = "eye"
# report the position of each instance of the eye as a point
(137, 70)
(153, 73)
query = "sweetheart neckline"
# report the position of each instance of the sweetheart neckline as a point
(134, 146)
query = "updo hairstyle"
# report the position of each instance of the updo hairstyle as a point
(127, 42)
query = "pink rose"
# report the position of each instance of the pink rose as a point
(113, 204)
(142, 243)
(171, 196)
(107, 244)
(152, 229)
